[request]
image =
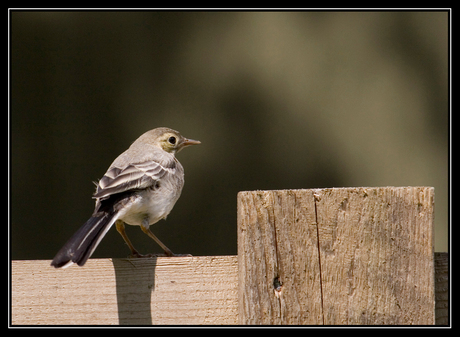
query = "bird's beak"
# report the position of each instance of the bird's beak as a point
(188, 142)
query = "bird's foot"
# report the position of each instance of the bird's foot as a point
(165, 254)
(143, 256)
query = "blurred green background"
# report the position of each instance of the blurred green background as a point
(279, 100)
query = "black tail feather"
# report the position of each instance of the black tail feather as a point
(83, 243)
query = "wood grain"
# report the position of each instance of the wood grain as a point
(336, 256)
(173, 290)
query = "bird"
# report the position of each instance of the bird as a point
(139, 188)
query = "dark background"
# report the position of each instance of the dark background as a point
(279, 100)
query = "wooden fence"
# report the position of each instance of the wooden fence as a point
(325, 256)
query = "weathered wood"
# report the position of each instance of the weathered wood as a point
(336, 256)
(442, 288)
(173, 290)
(279, 279)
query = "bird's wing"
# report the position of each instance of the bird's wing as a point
(133, 176)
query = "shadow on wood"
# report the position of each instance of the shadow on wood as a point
(134, 302)
(442, 288)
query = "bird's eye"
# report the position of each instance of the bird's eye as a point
(172, 140)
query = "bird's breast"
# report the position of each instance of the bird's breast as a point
(155, 202)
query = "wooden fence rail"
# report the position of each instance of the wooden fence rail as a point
(176, 290)
(329, 256)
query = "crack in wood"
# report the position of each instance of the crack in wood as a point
(317, 198)
(277, 257)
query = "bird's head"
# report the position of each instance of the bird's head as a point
(169, 140)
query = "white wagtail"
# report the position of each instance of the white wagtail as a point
(139, 188)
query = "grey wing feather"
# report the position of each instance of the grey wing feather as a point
(133, 176)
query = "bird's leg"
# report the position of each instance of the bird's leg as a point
(147, 231)
(121, 229)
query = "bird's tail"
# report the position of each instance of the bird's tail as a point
(83, 243)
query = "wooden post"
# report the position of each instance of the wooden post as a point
(336, 256)
(442, 288)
